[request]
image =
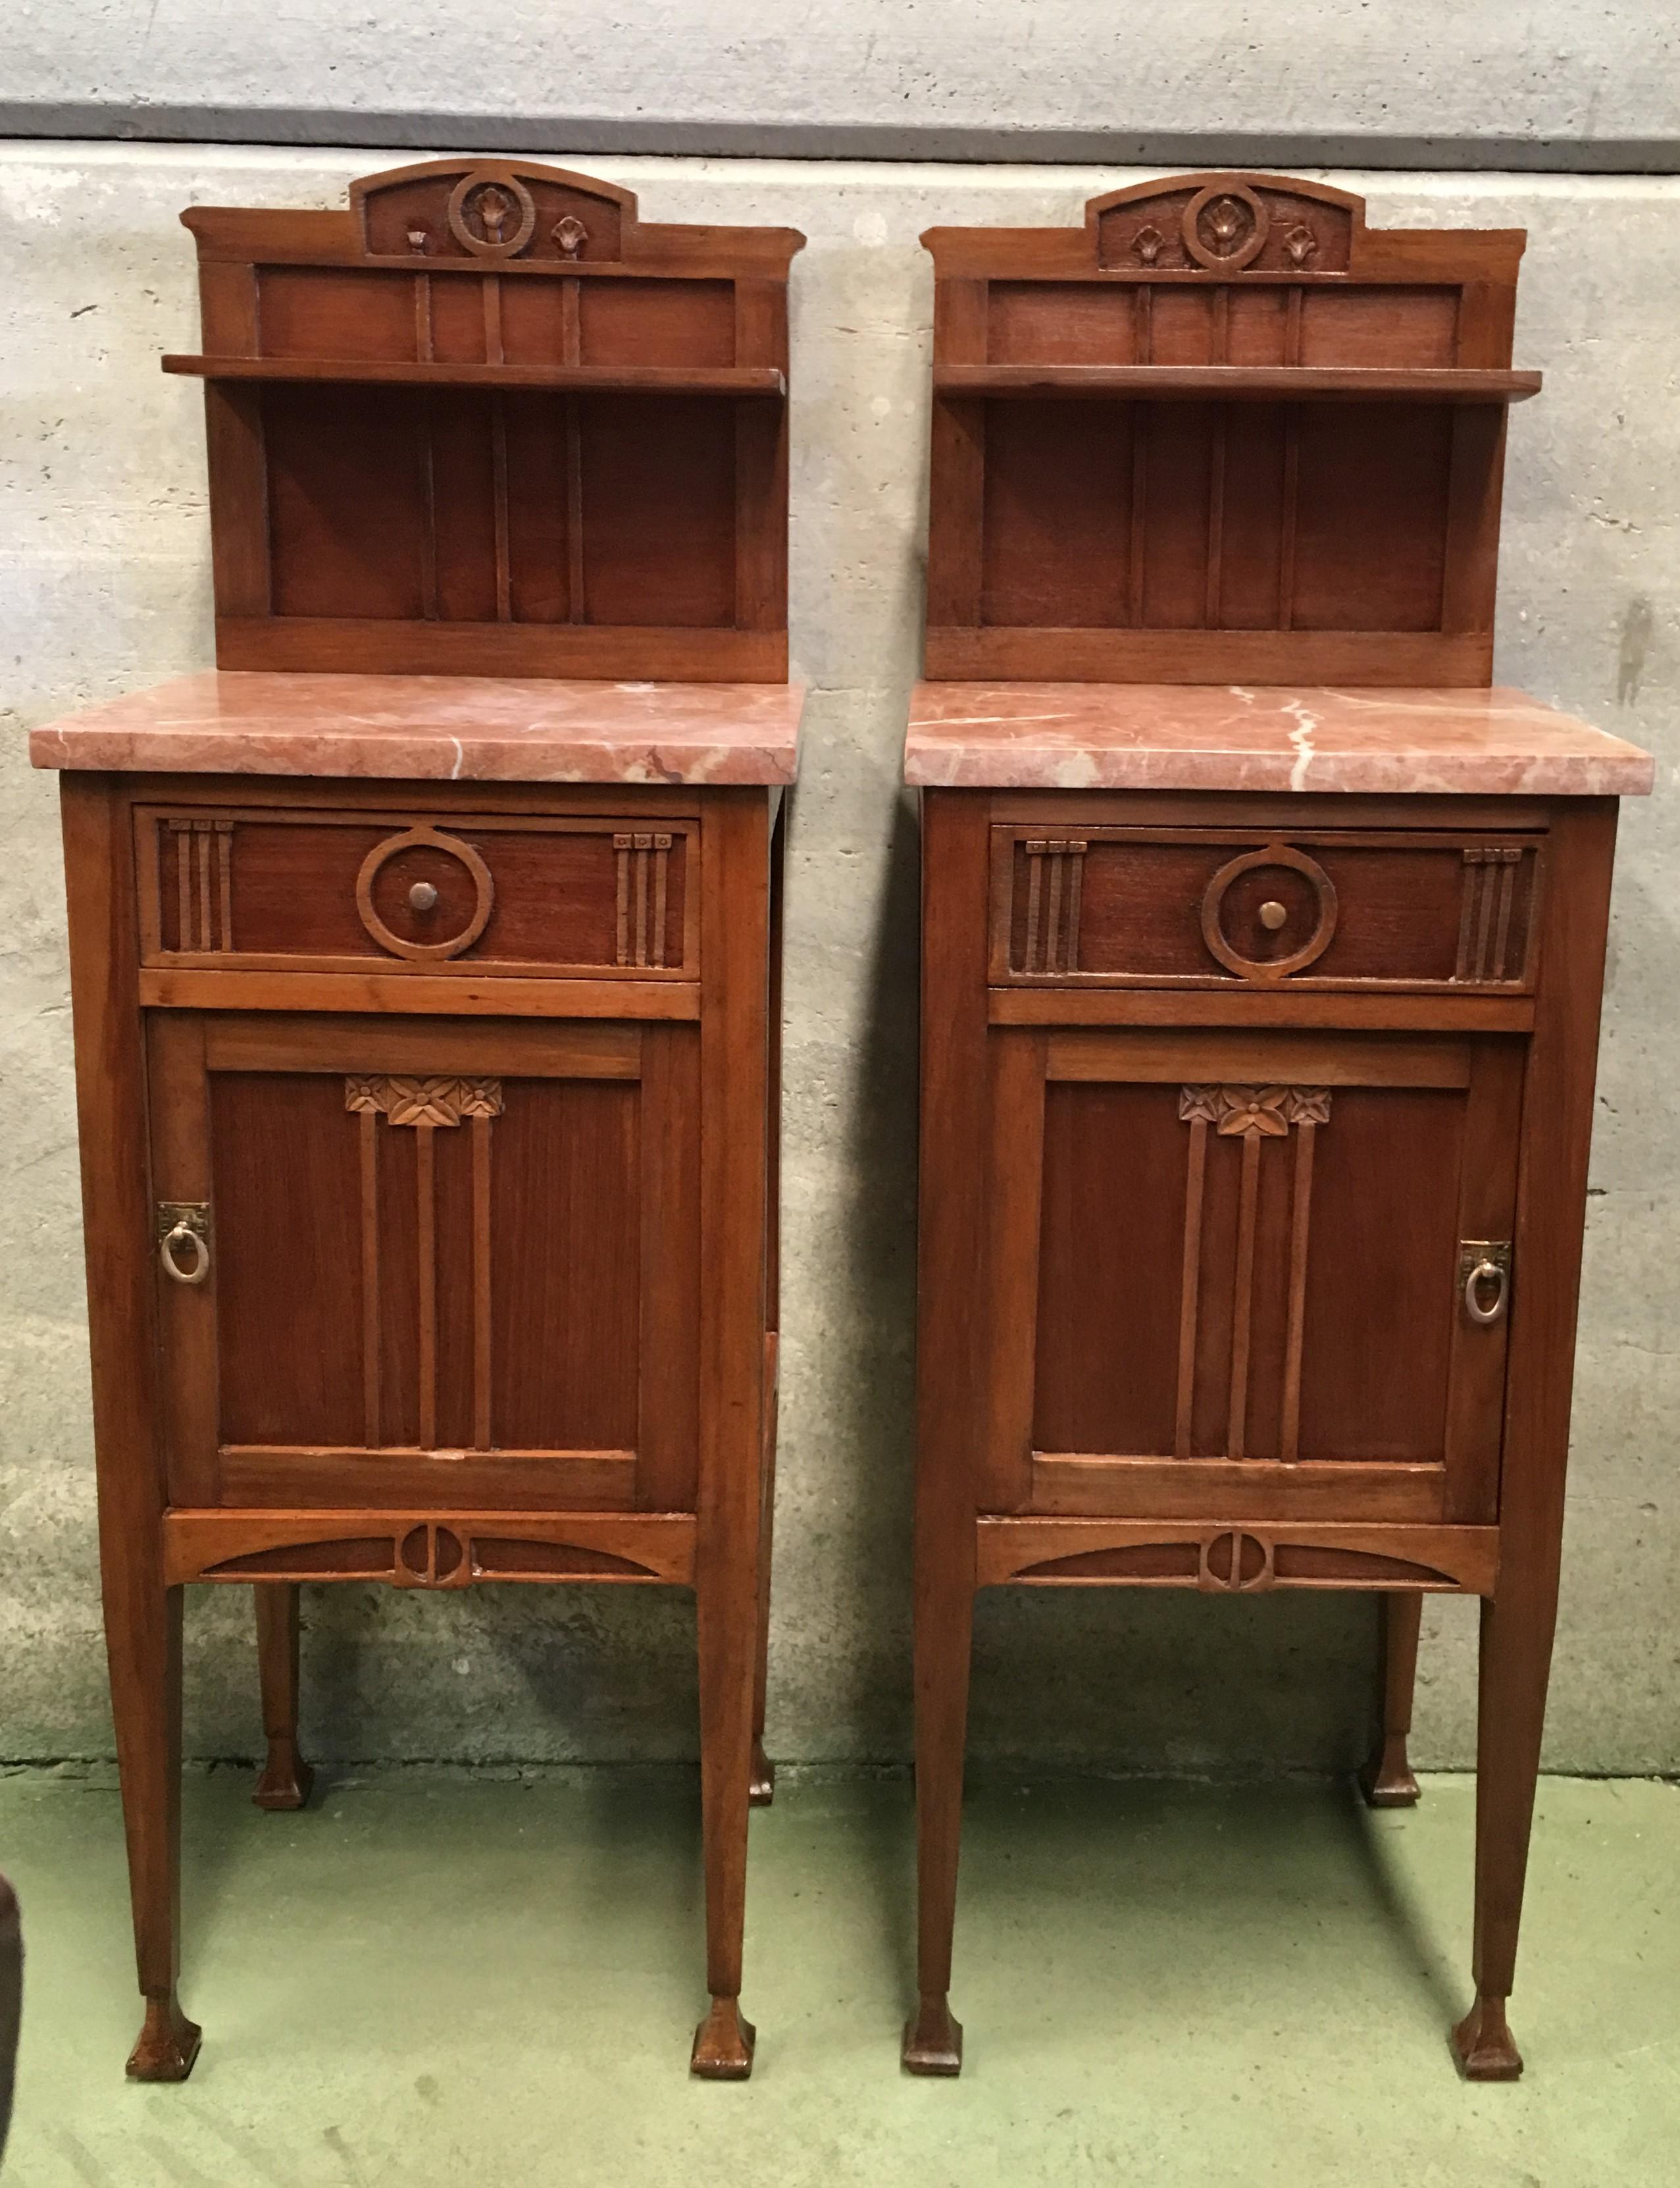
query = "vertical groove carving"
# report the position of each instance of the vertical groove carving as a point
(1311, 1110)
(370, 1348)
(1052, 941)
(1252, 1114)
(224, 860)
(204, 884)
(429, 604)
(574, 513)
(1215, 572)
(1489, 892)
(1242, 1298)
(642, 886)
(428, 1105)
(480, 1282)
(1191, 1283)
(1501, 932)
(425, 1225)
(1140, 500)
(201, 835)
(499, 475)
(1287, 516)
(423, 350)
(571, 322)
(493, 320)
(661, 860)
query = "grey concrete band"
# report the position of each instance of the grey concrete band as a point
(637, 135)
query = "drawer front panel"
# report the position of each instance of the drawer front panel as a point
(1127, 907)
(422, 893)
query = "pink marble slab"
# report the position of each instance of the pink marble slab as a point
(464, 729)
(1206, 736)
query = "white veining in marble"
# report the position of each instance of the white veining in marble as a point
(448, 728)
(1089, 736)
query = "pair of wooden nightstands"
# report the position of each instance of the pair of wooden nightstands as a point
(426, 989)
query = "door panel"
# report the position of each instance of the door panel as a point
(1246, 1281)
(437, 1285)
(285, 1195)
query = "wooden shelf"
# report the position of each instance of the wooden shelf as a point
(582, 379)
(1238, 383)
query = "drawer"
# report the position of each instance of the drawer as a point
(298, 889)
(1195, 908)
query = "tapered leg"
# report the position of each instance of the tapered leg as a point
(1387, 1779)
(761, 1782)
(1516, 1653)
(735, 1169)
(287, 1777)
(143, 1636)
(729, 1625)
(945, 1614)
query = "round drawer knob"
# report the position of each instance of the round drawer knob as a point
(423, 896)
(1272, 914)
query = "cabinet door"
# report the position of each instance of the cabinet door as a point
(1228, 1273)
(449, 1263)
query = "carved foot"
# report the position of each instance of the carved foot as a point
(168, 2045)
(1483, 2042)
(1386, 1780)
(286, 1778)
(761, 1785)
(932, 2041)
(722, 2043)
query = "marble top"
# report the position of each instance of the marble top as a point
(467, 729)
(1207, 736)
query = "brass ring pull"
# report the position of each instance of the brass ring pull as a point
(182, 1235)
(1486, 1272)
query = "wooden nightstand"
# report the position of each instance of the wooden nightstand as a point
(425, 1022)
(1259, 1017)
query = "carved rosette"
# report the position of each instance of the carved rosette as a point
(1226, 227)
(1256, 1112)
(492, 216)
(430, 1102)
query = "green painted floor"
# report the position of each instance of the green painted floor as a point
(433, 1978)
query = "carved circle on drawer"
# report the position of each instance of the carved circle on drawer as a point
(1275, 856)
(1225, 228)
(492, 201)
(425, 837)
(1236, 1559)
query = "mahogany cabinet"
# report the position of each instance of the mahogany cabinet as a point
(1262, 951)
(425, 1003)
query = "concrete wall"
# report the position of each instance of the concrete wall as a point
(1481, 83)
(104, 585)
